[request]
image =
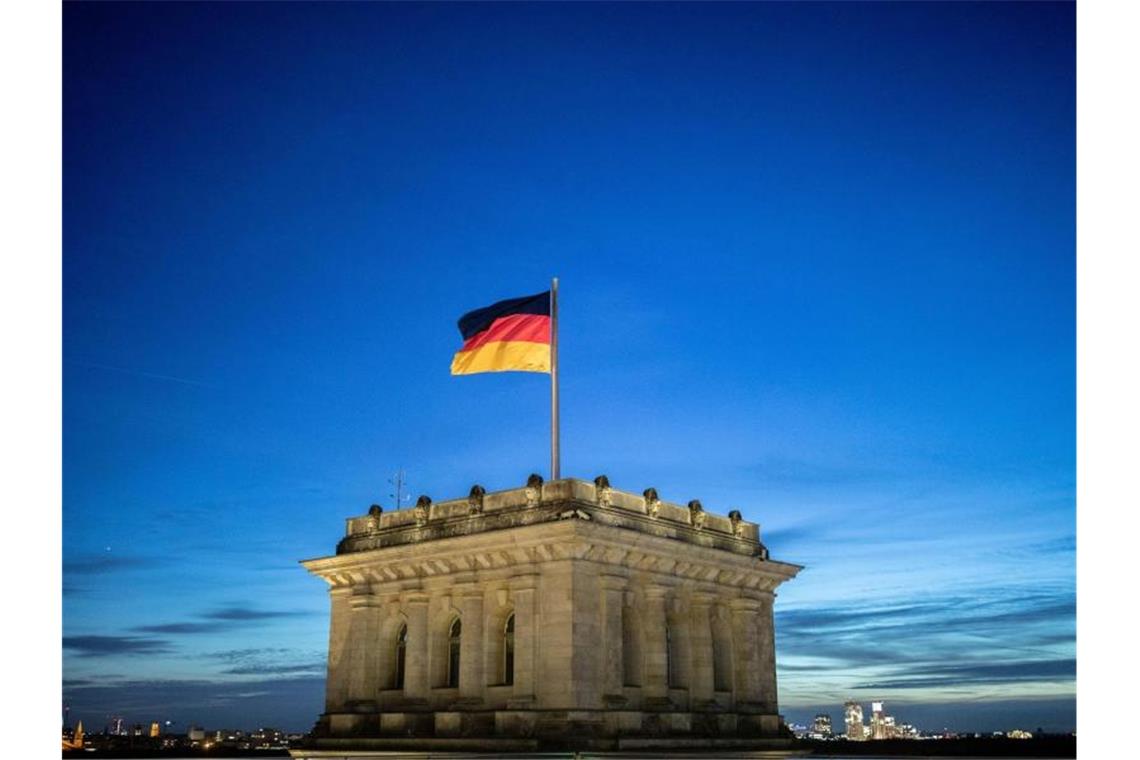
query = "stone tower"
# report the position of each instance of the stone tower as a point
(562, 614)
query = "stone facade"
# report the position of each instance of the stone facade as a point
(559, 614)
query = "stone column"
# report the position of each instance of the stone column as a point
(746, 651)
(766, 633)
(701, 650)
(340, 620)
(523, 590)
(633, 644)
(655, 686)
(613, 668)
(471, 682)
(384, 640)
(364, 652)
(680, 632)
(416, 654)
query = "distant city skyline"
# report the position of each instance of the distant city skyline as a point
(903, 725)
(816, 264)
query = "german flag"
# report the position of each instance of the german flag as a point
(509, 336)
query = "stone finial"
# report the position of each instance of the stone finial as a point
(737, 521)
(533, 490)
(369, 523)
(696, 514)
(652, 503)
(602, 491)
(423, 504)
(475, 499)
(372, 522)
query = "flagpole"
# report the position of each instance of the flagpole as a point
(554, 475)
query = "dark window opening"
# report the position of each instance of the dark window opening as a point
(401, 653)
(509, 651)
(453, 637)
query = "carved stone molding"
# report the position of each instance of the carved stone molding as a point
(737, 521)
(603, 494)
(475, 499)
(652, 502)
(534, 490)
(696, 514)
(423, 506)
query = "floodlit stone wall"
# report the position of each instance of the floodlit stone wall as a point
(561, 609)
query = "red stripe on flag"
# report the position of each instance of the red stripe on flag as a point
(529, 328)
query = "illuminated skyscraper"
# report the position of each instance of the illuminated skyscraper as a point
(878, 729)
(853, 713)
(821, 726)
(155, 730)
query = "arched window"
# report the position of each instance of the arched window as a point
(401, 655)
(509, 650)
(453, 636)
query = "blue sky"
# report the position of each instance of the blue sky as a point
(817, 263)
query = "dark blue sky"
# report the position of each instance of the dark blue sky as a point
(817, 263)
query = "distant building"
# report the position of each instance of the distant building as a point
(155, 730)
(268, 738)
(1017, 733)
(74, 740)
(821, 727)
(878, 730)
(229, 737)
(853, 717)
(883, 726)
(195, 733)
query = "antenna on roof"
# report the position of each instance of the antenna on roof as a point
(399, 481)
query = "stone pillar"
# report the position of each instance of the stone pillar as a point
(746, 651)
(655, 686)
(581, 628)
(416, 654)
(523, 590)
(701, 649)
(766, 633)
(340, 620)
(633, 645)
(471, 682)
(680, 632)
(364, 643)
(613, 669)
(722, 654)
